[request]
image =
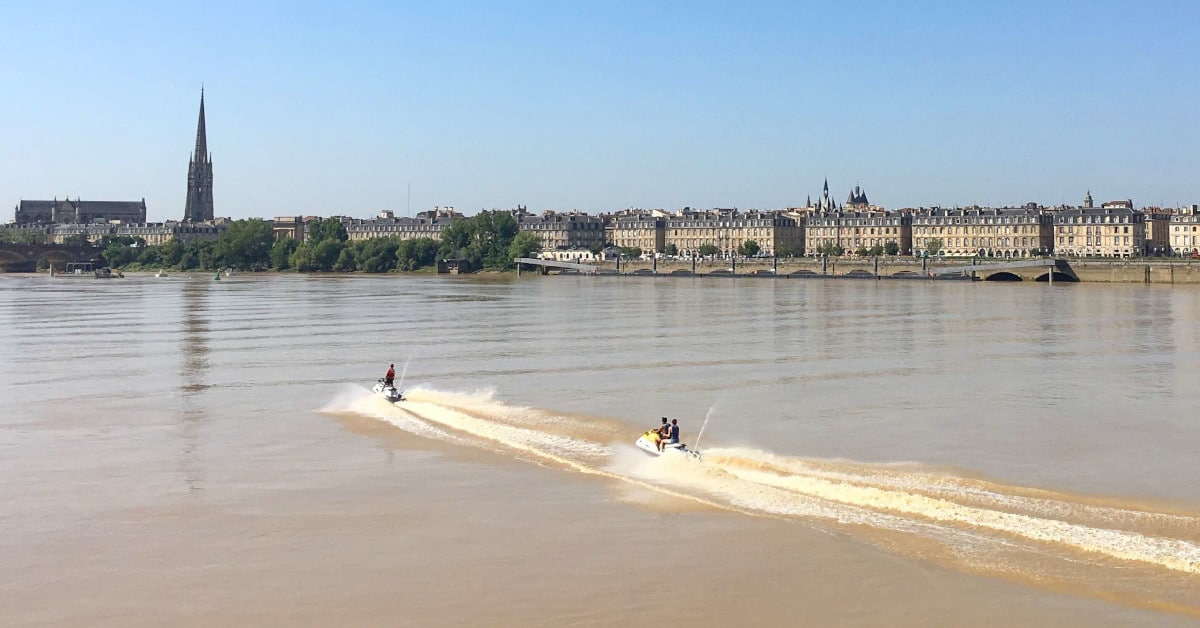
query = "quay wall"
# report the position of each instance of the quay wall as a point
(1088, 271)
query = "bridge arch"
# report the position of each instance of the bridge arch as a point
(1003, 276)
(1058, 276)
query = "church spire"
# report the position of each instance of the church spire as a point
(199, 206)
(201, 137)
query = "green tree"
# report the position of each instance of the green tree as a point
(596, 248)
(525, 244)
(326, 229)
(708, 250)
(171, 252)
(281, 251)
(891, 248)
(748, 248)
(421, 252)
(246, 245)
(875, 251)
(198, 255)
(933, 247)
(788, 249)
(150, 257)
(77, 239)
(302, 258)
(631, 252)
(120, 251)
(670, 250)
(376, 255)
(484, 239)
(22, 236)
(345, 262)
(326, 253)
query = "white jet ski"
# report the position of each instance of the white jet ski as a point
(388, 392)
(648, 443)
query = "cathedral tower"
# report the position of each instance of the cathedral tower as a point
(199, 207)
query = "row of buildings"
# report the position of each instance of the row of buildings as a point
(1115, 229)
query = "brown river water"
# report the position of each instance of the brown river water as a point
(183, 451)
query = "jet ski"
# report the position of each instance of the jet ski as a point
(648, 443)
(388, 392)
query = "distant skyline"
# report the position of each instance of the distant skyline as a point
(339, 108)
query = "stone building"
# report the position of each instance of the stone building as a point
(563, 231)
(1185, 233)
(1099, 232)
(199, 204)
(153, 233)
(853, 230)
(642, 231)
(984, 231)
(290, 227)
(76, 211)
(428, 224)
(774, 232)
(1158, 233)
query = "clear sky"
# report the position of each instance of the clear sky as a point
(342, 107)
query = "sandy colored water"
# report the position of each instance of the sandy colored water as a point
(187, 452)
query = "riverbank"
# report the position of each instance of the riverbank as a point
(1157, 271)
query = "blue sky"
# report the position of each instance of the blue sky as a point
(338, 108)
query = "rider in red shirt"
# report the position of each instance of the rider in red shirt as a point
(391, 375)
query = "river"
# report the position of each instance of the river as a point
(184, 451)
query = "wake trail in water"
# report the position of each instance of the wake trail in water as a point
(1032, 535)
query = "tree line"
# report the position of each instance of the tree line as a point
(486, 241)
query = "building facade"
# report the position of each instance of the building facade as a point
(429, 224)
(1158, 233)
(640, 231)
(726, 229)
(1185, 234)
(561, 231)
(857, 230)
(69, 211)
(153, 233)
(1100, 232)
(983, 232)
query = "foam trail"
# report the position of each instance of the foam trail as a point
(1170, 553)
(542, 446)
(1034, 535)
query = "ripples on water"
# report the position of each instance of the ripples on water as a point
(1069, 393)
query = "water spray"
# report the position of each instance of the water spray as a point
(404, 372)
(707, 416)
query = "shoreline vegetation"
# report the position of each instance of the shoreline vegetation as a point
(488, 241)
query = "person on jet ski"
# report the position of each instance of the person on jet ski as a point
(672, 435)
(391, 375)
(663, 429)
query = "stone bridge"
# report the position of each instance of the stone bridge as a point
(1042, 269)
(1039, 269)
(27, 257)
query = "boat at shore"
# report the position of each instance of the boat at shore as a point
(86, 269)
